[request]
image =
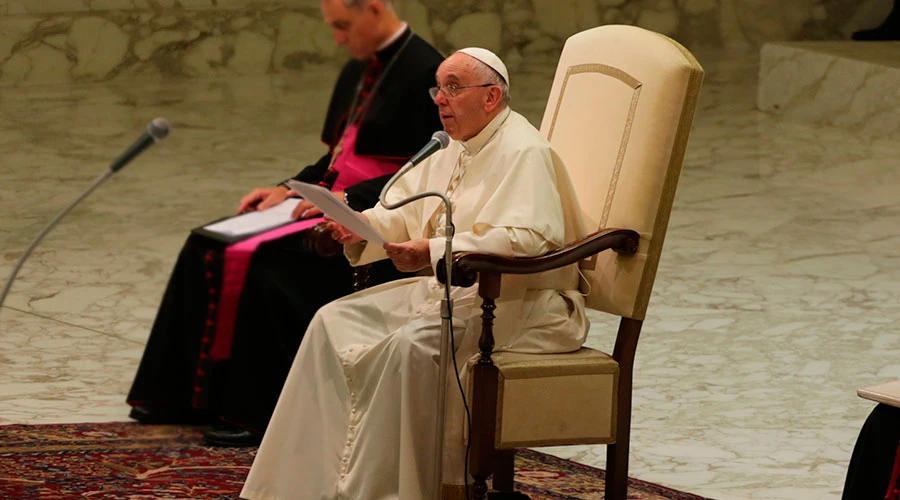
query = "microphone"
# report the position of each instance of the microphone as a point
(439, 140)
(157, 130)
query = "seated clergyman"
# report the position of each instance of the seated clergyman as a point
(233, 315)
(356, 418)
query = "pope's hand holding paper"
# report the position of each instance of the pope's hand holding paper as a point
(353, 224)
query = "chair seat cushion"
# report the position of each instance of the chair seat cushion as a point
(556, 399)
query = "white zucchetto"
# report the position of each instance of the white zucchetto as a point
(489, 58)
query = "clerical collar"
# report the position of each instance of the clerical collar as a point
(392, 44)
(480, 140)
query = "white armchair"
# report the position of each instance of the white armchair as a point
(619, 113)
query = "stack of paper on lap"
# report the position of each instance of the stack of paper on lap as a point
(256, 221)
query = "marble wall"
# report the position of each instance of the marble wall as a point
(833, 83)
(60, 41)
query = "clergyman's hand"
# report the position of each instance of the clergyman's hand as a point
(305, 210)
(409, 256)
(263, 198)
(341, 233)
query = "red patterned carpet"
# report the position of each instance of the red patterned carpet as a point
(136, 462)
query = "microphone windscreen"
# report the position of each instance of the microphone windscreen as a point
(158, 129)
(442, 138)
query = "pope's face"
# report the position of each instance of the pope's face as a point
(352, 27)
(466, 113)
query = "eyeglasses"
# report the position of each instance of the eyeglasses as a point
(453, 90)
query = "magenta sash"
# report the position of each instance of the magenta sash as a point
(234, 275)
(355, 169)
(352, 169)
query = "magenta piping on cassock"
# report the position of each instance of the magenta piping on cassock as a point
(352, 169)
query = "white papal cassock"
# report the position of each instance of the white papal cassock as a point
(356, 416)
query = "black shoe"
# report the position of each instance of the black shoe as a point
(889, 29)
(153, 416)
(229, 435)
(877, 34)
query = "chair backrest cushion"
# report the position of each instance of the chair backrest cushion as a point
(619, 114)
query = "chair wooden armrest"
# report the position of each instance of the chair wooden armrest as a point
(468, 265)
(319, 241)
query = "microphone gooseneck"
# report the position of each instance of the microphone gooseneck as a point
(157, 130)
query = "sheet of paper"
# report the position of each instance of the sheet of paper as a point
(337, 210)
(254, 222)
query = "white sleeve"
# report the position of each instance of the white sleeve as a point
(390, 224)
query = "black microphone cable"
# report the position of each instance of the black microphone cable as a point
(462, 391)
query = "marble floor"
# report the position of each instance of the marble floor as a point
(776, 298)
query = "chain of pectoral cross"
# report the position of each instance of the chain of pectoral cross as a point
(357, 110)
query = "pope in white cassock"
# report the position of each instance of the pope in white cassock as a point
(356, 416)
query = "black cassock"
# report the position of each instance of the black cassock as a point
(286, 283)
(876, 456)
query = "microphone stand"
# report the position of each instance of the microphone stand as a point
(446, 318)
(157, 130)
(12, 276)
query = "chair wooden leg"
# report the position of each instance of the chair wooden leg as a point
(504, 470)
(484, 392)
(504, 474)
(617, 454)
(617, 468)
(484, 406)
